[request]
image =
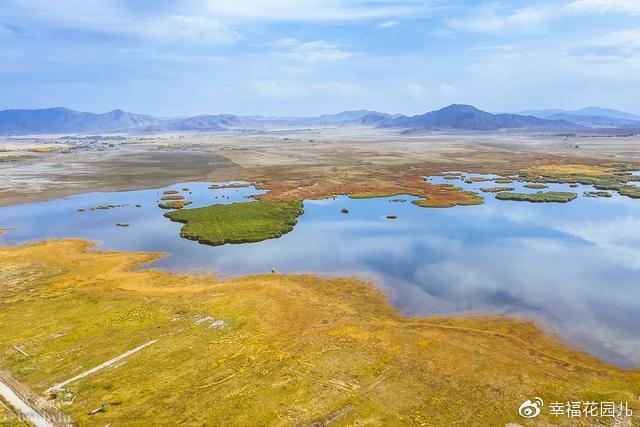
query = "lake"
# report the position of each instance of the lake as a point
(573, 267)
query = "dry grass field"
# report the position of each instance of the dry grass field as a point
(268, 350)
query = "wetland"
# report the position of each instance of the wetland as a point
(350, 299)
(545, 261)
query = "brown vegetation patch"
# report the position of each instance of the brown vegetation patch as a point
(232, 185)
(172, 197)
(318, 183)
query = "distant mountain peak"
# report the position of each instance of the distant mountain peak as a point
(460, 107)
(469, 118)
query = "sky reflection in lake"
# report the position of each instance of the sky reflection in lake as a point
(575, 267)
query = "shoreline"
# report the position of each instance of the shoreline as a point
(368, 279)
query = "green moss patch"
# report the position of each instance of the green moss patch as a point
(545, 197)
(597, 194)
(496, 189)
(631, 191)
(612, 178)
(174, 204)
(238, 222)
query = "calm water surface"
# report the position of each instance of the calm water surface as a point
(574, 267)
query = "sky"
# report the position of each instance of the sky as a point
(308, 57)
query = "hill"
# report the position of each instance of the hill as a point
(467, 117)
(60, 120)
(594, 117)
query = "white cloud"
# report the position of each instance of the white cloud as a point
(193, 21)
(187, 28)
(115, 17)
(312, 51)
(632, 6)
(618, 46)
(492, 17)
(388, 24)
(313, 10)
(487, 19)
(619, 239)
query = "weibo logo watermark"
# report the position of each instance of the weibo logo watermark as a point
(576, 409)
(531, 409)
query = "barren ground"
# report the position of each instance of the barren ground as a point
(293, 164)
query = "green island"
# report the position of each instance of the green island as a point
(232, 185)
(172, 197)
(503, 181)
(610, 178)
(238, 222)
(102, 208)
(473, 180)
(545, 197)
(459, 198)
(535, 185)
(496, 189)
(630, 191)
(173, 204)
(597, 194)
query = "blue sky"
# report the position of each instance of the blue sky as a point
(303, 57)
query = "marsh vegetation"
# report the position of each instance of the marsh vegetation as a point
(238, 222)
(496, 189)
(286, 349)
(542, 197)
(173, 204)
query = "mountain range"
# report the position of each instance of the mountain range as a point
(454, 117)
(467, 117)
(63, 120)
(594, 117)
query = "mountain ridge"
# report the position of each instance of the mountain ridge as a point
(467, 117)
(457, 117)
(594, 117)
(62, 120)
